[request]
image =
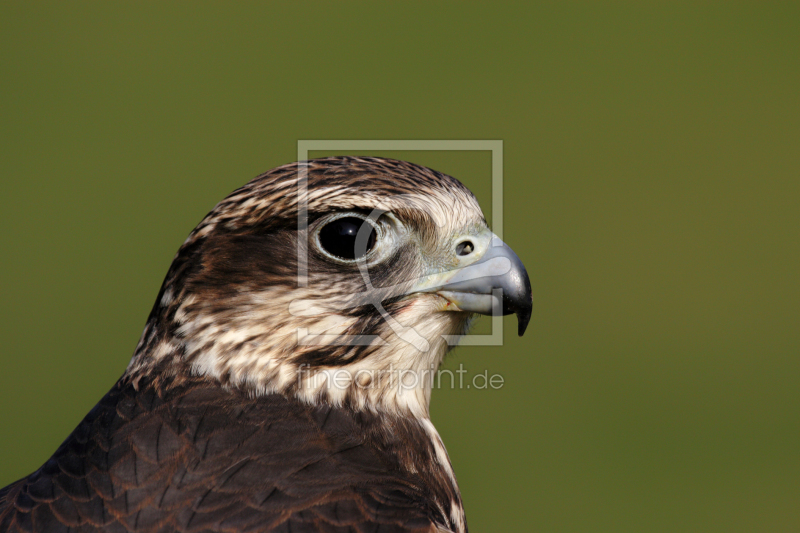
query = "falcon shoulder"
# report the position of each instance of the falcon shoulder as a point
(197, 457)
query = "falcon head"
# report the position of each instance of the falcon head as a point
(342, 280)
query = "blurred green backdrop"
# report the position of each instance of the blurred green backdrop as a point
(652, 187)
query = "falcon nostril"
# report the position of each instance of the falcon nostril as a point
(465, 248)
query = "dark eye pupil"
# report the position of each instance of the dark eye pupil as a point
(465, 248)
(339, 238)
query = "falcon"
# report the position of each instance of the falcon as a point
(283, 378)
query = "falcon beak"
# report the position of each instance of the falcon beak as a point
(494, 283)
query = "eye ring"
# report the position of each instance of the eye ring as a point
(343, 238)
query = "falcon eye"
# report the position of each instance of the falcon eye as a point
(465, 248)
(338, 238)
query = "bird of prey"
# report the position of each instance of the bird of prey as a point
(283, 378)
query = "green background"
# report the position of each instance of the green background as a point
(652, 187)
